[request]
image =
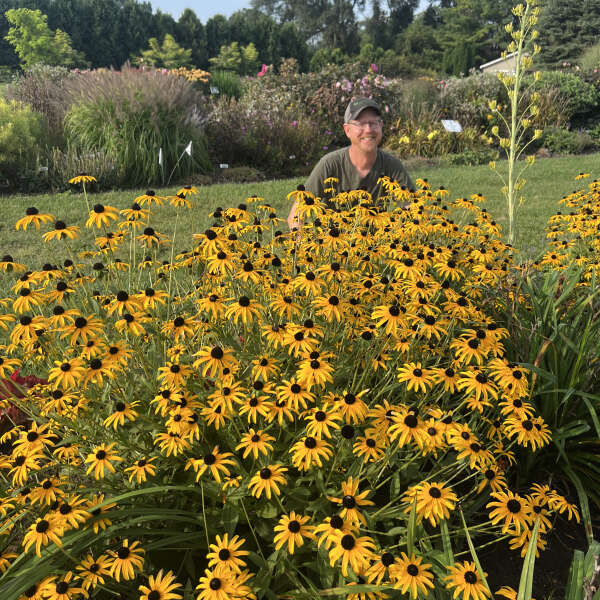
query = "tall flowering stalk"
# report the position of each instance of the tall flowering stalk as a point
(517, 122)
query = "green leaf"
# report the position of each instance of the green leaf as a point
(574, 589)
(473, 552)
(526, 583)
(411, 529)
(446, 543)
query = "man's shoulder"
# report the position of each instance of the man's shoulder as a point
(390, 159)
(335, 156)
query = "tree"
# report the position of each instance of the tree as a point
(328, 23)
(566, 29)
(229, 58)
(34, 42)
(243, 61)
(169, 55)
(192, 34)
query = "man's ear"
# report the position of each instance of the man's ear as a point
(346, 128)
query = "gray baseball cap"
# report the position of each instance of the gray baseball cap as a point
(357, 106)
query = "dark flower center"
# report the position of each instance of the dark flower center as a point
(101, 455)
(62, 587)
(265, 473)
(210, 459)
(412, 570)
(224, 554)
(294, 526)
(123, 552)
(348, 501)
(514, 506)
(435, 492)
(215, 584)
(348, 542)
(42, 526)
(411, 420)
(310, 443)
(470, 577)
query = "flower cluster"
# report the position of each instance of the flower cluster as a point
(329, 397)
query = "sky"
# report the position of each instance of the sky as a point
(204, 9)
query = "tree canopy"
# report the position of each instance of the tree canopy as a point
(35, 43)
(451, 36)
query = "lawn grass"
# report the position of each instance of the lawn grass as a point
(547, 181)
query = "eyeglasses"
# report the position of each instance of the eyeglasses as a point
(362, 126)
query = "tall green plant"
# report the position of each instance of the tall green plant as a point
(514, 133)
(132, 115)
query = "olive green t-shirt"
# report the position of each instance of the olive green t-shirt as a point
(338, 164)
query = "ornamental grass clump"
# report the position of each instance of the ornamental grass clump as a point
(266, 412)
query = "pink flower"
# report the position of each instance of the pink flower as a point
(294, 123)
(263, 70)
(374, 68)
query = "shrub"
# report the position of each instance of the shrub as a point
(583, 98)
(42, 87)
(130, 115)
(563, 141)
(420, 133)
(228, 83)
(23, 138)
(467, 99)
(590, 59)
(253, 132)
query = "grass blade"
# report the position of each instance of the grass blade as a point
(474, 553)
(526, 583)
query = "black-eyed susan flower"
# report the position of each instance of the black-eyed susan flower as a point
(255, 442)
(410, 574)
(215, 462)
(310, 451)
(62, 588)
(133, 323)
(465, 580)
(292, 529)
(161, 586)
(42, 532)
(267, 481)
(213, 360)
(101, 216)
(67, 374)
(62, 231)
(226, 554)
(509, 509)
(352, 551)
(81, 328)
(126, 559)
(33, 217)
(415, 376)
(351, 501)
(217, 584)
(321, 420)
(92, 571)
(123, 411)
(101, 458)
(82, 178)
(434, 501)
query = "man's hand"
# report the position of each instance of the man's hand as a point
(294, 223)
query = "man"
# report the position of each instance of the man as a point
(361, 164)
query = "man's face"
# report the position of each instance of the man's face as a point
(366, 131)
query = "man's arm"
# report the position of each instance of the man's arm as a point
(293, 221)
(314, 184)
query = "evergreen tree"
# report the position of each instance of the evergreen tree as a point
(566, 29)
(192, 34)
